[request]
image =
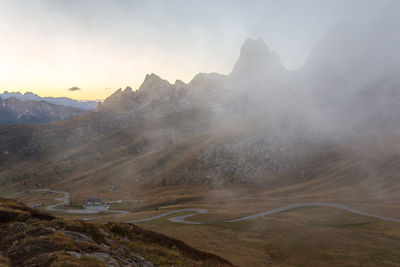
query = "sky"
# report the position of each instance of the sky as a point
(97, 46)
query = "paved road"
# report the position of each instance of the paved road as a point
(118, 213)
(312, 204)
(65, 201)
(182, 218)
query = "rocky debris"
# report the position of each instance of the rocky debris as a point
(247, 157)
(32, 238)
(79, 237)
(109, 261)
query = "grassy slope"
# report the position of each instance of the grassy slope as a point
(302, 237)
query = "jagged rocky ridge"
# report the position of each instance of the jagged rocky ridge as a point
(157, 97)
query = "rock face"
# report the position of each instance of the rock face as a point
(158, 97)
(31, 237)
(155, 95)
(257, 61)
(61, 101)
(14, 111)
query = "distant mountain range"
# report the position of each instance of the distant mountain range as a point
(15, 111)
(61, 101)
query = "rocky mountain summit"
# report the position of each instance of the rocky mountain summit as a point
(157, 97)
(257, 61)
(30, 237)
(154, 97)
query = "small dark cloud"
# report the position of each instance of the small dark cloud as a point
(73, 89)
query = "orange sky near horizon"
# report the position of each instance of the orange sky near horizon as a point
(98, 82)
(96, 90)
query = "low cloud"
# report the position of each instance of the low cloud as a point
(75, 88)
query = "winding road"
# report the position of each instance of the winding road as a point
(313, 204)
(193, 211)
(65, 201)
(179, 219)
(182, 218)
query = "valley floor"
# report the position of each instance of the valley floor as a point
(299, 236)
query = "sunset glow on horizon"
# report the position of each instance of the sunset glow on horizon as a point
(49, 46)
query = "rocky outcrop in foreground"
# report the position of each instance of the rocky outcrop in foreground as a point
(29, 237)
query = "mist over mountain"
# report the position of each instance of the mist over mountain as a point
(61, 101)
(352, 69)
(252, 125)
(352, 74)
(257, 62)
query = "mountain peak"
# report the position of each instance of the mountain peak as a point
(128, 90)
(256, 59)
(254, 47)
(153, 82)
(180, 85)
(151, 77)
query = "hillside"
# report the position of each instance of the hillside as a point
(31, 237)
